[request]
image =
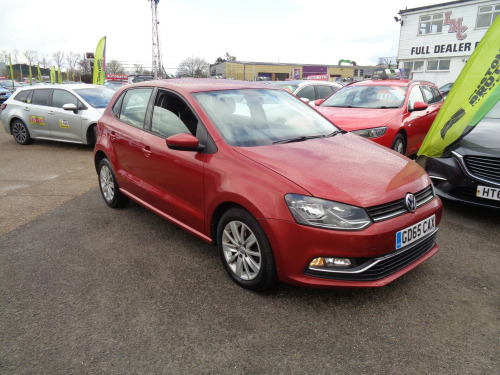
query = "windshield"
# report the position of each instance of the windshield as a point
(367, 97)
(97, 97)
(258, 117)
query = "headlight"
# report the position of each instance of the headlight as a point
(371, 133)
(326, 214)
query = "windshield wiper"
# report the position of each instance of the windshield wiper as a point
(305, 138)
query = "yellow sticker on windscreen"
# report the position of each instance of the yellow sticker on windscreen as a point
(37, 120)
(64, 124)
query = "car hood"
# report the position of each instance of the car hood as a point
(484, 138)
(343, 168)
(358, 118)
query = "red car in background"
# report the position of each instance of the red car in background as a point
(394, 113)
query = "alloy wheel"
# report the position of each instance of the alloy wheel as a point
(107, 183)
(241, 250)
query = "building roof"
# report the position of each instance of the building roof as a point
(450, 3)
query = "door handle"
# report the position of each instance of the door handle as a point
(26, 109)
(113, 136)
(51, 112)
(147, 151)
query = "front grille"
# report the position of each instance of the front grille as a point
(484, 167)
(395, 208)
(386, 267)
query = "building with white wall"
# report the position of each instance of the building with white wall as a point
(436, 41)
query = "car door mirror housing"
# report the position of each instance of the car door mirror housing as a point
(183, 142)
(420, 106)
(318, 102)
(70, 107)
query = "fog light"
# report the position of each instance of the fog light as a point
(317, 262)
(330, 262)
(338, 262)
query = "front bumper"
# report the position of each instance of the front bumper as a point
(295, 246)
(453, 181)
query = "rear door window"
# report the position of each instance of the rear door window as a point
(324, 91)
(307, 92)
(41, 97)
(134, 106)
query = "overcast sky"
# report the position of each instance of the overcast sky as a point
(286, 31)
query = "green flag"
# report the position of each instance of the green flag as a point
(39, 73)
(475, 91)
(100, 62)
(52, 74)
(11, 72)
(59, 76)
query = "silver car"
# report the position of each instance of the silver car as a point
(67, 113)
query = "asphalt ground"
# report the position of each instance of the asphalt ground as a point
(86, 289)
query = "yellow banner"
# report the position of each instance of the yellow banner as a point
(100, 62)
(474, 93)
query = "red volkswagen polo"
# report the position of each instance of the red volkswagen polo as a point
(394, 113)
(283, 193)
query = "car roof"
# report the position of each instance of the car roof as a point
(192, 85)
(390, 82)
(75, 86)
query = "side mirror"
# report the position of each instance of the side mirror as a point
(70, 107)
(318, 102)
(420, 106)
(305, 100)
(183, 142)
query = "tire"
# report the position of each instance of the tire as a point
(245, 250)
(20, 132)
(110, 190)
(398, 144)
(92, 135)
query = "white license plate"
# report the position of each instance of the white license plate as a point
(488, 193)
(415, 232)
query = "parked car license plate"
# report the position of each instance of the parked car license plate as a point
(488, 192)
(415, 232)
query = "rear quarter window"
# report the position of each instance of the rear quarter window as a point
(24, 96)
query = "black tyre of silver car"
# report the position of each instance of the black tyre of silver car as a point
(398, 144)
(109, 186)
(20, 132)
(245, 250)
(91, 135)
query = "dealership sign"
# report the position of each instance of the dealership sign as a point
(116, 77)
(455, 26)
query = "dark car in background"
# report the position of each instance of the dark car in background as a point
(470, 172)
(445, 89)
(4, 94)
(9, 85)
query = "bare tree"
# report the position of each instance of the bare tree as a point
(138, 69)
(72, 60)
(45, 61)
(58, 58)
(114, 67)
(4, 56)
(387, 61)
(31, 57)
(193, 67)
